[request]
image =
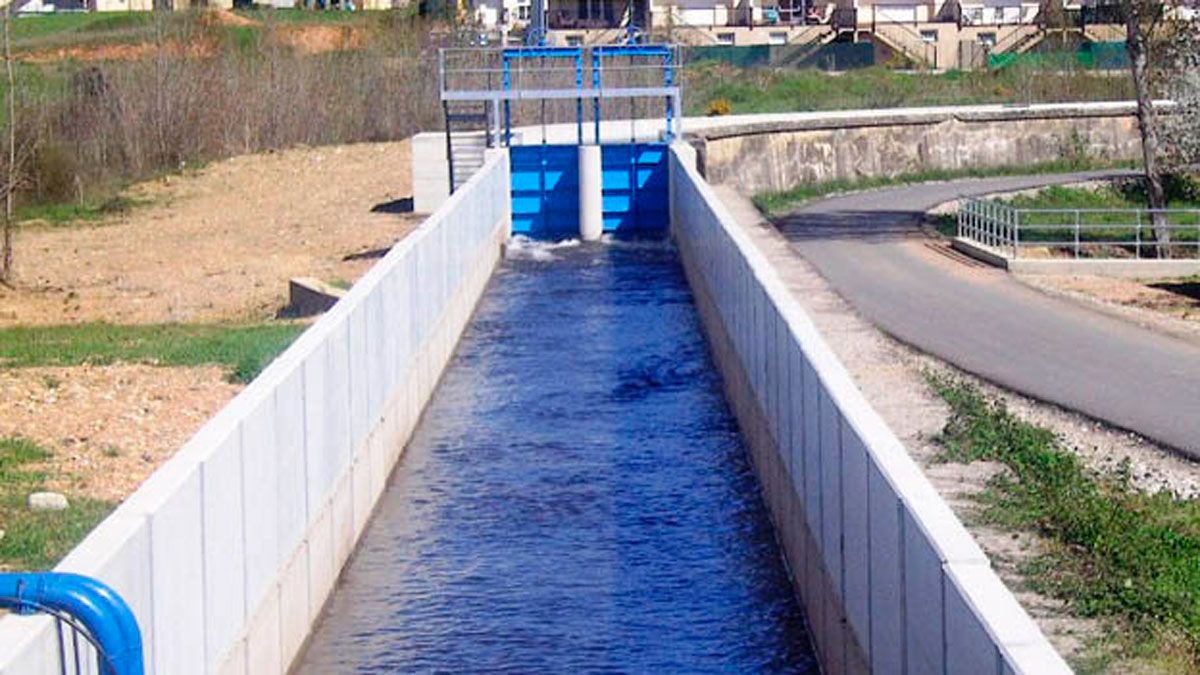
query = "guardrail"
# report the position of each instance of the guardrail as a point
(96, 630)
(1083, 233)
(558, 72)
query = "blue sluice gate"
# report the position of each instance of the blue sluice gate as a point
(545, 189)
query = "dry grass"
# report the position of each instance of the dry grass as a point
(86, 127)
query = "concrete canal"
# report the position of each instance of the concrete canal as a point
(577, 497)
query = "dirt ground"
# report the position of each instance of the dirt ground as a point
(108, 427)
(214, 245)
(1168, 305)
(314, 38)
(219, 244)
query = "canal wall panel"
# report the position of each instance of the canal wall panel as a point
(890, 579)
(774, 155)
(229, 551)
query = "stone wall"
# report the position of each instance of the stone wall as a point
(778, 155)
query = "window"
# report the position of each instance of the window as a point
(574, 40)
(987, 39)
(725, 38)
(523, 12)
(929, 36)
(779, 38)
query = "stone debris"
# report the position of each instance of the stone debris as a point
(48, 501)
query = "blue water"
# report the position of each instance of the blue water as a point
(577, 497)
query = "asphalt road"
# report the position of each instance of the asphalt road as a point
(870, 247)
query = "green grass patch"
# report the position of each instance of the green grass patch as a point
(58, 214)
(300, 15)
(1117, 221)
(778, 203)
(34, 27)
(776, 90)
(244, 349)
(32, 33)
(37, 539)
(1114, 551)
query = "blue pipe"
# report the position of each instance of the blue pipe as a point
(93, 604)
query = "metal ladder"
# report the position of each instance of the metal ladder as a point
(467, 139)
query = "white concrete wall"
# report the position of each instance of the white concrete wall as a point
(891, 580)
(229, 551)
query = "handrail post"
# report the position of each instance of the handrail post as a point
(96, 607)
(1076, 234)
(1137, 235)
(1016, 239)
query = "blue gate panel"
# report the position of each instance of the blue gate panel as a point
(545, 189)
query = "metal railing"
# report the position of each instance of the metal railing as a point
(535, 72)
(1081, 233)
(96, 631)
(595, 75)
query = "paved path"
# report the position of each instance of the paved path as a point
(869, 246)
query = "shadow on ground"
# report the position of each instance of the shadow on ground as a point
(397, 206)
(856, 225)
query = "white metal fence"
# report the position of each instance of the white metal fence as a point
(1080, 233)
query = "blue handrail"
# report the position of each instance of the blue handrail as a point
(108, 620)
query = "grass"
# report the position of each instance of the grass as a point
(768, 90)
(37, 539)
(1118, 226)
(63, 213)
(244, 349)
(778, 203)
(1114, 552)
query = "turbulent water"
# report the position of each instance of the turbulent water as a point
(577, 497)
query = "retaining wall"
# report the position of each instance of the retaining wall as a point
(229, 551)
(818, 147)
(890, 579)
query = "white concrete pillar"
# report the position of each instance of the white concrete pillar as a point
(591, 208)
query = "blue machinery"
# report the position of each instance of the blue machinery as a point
(545, 176)
(97, 631)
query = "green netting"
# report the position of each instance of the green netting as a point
(1097, 55)
(832, 56)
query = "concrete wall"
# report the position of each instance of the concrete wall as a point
(890, 579)
(821, 147)
(229, 551)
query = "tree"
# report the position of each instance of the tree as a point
(1181, 129)
(10, 181)
(1142, 21)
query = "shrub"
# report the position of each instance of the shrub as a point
(719, 107)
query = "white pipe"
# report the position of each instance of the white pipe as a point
(591, 211)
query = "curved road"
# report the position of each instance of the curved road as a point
(870, 247)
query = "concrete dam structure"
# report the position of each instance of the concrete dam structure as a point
(631, 454)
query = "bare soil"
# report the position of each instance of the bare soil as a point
(1168, 305)
(218, 244)
(214, 245)
(314, 38)
(108, 427)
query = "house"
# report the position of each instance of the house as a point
(933, 33)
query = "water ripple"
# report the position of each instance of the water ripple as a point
(577, 498)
